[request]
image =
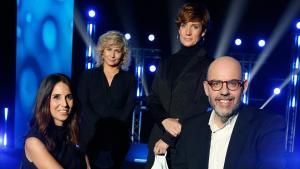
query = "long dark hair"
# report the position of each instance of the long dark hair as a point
(42, 118)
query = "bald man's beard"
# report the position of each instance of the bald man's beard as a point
(224, 116)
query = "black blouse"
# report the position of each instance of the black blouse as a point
(66, 154)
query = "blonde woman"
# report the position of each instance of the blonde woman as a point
(107, 97)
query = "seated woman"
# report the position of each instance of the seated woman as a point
(52, 139)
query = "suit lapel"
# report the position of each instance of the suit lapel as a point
(238, 139)
(206, 146)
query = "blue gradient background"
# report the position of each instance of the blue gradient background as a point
(44, 46)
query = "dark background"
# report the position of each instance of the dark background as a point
(141, 17)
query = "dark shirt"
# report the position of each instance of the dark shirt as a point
(105, 111)
(66, 154)
(181, 59)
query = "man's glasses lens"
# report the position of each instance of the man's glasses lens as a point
(231, 84)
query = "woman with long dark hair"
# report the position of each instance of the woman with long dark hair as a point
(53, 136)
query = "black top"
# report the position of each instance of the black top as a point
(105, 109)
(190, 64)
(66, 154)
(181, 58)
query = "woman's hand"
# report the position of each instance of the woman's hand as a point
(160, 147)
(172, 126)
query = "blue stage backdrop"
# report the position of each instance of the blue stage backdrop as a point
(44, 46)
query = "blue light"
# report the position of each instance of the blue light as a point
(50, 36)
(299, 41)
(244, 99)
(139, 71)
(19, 31)
(127, 36)
(5, 140)
(5, 113)
(293, 102)
(91, 28)
(276, 91)
(138, 160)
(297, 63)
(137, 153)
(246, 75)
(89, 66)
(92, 13)
(261, 43)
(298, 25)
(152, 68)
(90, 51)
(151, 37)
(295, 79)
(238, 42)
(28, 17)
(138, 92)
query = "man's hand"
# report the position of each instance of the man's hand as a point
(160, 147)
(172, 126)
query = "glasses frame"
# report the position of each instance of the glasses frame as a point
(240, 84)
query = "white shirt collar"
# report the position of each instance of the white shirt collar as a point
(214, 128)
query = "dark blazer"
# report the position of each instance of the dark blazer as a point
(257, 142)
(170, 98)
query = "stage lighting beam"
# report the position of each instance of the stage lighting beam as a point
(233, 18)
(282, 26)
(286, 81)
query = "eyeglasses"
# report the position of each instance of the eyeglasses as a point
(232, 85)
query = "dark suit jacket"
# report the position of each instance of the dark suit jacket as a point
(172, 98)
(257, 142)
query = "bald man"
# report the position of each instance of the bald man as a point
(232, 135)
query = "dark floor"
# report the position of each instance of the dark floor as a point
(10, 158)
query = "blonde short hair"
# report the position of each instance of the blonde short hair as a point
(111, 38)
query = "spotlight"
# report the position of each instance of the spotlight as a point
(151, 37)
(152, 68)
(276, 91)
(92, 13)
(5, 113)
(261, 43)
(293, 102)
(238, 42)
(127, 36)
(298, 25)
